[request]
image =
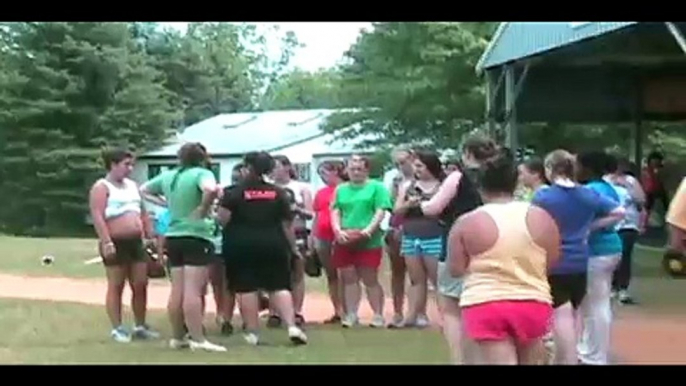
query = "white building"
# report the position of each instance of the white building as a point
(227, 137)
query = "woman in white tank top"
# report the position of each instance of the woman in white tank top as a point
(121, 224)
(284, 176)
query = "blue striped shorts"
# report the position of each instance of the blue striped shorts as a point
(419, 247)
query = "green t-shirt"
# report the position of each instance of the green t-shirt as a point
(357, 205)
(183, 198)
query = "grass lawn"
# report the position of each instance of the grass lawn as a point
(36, 332)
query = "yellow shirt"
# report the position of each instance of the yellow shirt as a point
(676, 215)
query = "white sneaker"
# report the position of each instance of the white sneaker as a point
(145, 332)
(350, 320)
(121, 335)
(206, 346)
(378, 321)
(398, 321)
(178, 344)
(297, 336)
(422, 321)
(251, 338)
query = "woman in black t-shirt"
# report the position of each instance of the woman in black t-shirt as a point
(259, 241)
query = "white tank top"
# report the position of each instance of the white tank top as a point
(121, 200)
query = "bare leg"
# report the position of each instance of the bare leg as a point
(219, 290)
(418, 288)
(460, 349)
(116, 279)
(195, 285)
(352, 291)
(375, 296)
(397, 273)
(249, 306)
(334, 285)
(298, 285)
(138, 281)
(175, 303)
(564, 332)
(530, 354)
(431, 269)
(497, 352)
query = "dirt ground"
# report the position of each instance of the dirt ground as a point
(639, 337)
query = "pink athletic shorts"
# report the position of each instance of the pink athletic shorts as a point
(522, 321)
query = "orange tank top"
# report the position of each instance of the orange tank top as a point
(515, 268)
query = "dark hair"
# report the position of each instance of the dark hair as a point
(625, 166)
(499, 174)
(336, 166)
(561, 163)
(259, 163)
(655, 155)
(592, 165)
(284, 161)
(453, 161)
(432, 162)
(115, 156)
(481, 147)
(360, 158)
(237, 167)
(611, 163)
(193, 154)
(535, 166)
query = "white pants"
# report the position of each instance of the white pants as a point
(593, 347)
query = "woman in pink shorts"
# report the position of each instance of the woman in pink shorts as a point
(504, 249)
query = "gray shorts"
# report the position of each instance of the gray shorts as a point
(447, 285)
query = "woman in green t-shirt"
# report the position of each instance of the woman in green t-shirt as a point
(359, 207)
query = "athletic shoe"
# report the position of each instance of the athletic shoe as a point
(624, 298)
(251, 338)
(397, 321)
(145, 332)
(121, 335)
(206, 346)
(297, 336)
(226, 328)
(178, 344)
(274, 321)
(349, 321)
(299, 320)
(422, 321)
(333, 320)
(378, 321)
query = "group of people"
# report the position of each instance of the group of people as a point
(513, 251)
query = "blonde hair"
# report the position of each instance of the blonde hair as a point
(560, 163)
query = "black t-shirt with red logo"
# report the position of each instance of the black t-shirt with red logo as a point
(258, 210)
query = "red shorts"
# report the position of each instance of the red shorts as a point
(522, 321)
(343, 257)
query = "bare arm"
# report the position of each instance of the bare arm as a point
(307, 211)
(375, 223)
(400, 206)
(98, 203)
(636, 192)
(155, 199)
(445, 193)
(223, 216)
(457, 258)
(545, 233)
(615, 216)
(210, 192)
(289, 231)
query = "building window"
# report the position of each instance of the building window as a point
(302, 172)
(155, 169)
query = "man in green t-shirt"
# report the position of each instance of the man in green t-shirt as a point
(360, 205)
(189, 192)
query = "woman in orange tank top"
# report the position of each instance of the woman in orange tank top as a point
(504, 249)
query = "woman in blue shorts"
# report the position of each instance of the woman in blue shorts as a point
(422, 235)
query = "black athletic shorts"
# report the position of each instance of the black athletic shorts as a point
(189, 251)
(568, 288)
(261, 267)
(128, 251)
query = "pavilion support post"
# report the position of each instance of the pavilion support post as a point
(491, 93)
(511, 133)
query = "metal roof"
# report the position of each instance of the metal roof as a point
(517, 40)
(237, 134)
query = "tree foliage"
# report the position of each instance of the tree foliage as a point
(299, 89)
(410, 81)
